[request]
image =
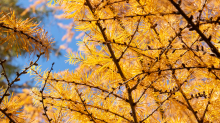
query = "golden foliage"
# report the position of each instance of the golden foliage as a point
(24, 35)
(140, 61)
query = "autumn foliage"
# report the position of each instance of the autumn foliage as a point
(139, 61)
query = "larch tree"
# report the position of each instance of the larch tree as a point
(140, 61)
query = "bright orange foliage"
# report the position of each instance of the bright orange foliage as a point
(140, 61)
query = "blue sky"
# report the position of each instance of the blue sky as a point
(50, 25)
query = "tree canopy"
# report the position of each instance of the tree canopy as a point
(140, 61)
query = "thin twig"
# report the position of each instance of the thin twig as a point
(42, 96)
(6, 93)
(84, 105)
